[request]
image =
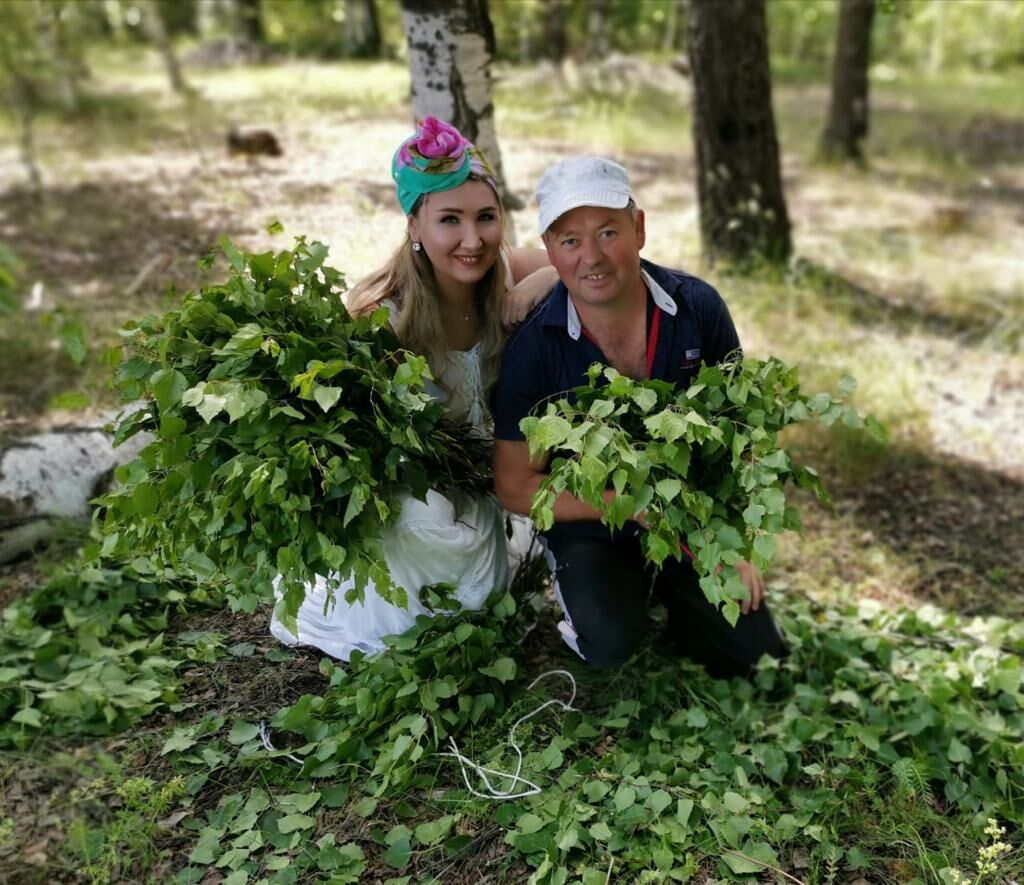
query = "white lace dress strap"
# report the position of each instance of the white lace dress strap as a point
(463, 388)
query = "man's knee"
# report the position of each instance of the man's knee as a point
(756, 637)
(610, 650)
(602, 588)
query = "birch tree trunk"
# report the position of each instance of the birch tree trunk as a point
(556, 43)
(362, 30)
(154, 25)
(65, 65)
(597, 30)
(22, 103)
(847, 124)
(743, 216)
(250, 23)
(451, 46)
(675, 26)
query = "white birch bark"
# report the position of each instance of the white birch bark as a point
(154, 26)
(451, 46)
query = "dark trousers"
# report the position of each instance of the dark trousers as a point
(606, 587)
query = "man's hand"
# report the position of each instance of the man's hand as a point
(751, 577)
(520, 299)
(754, 582)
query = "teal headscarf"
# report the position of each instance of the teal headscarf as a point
(436, 158)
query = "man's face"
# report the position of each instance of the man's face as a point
(596, 252)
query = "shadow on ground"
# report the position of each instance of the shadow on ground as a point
(94, 238)
(96, 250)
(957, 526)
(865, 307)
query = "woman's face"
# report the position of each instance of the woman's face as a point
(460, 230)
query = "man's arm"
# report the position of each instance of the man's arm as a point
(520, 299)
(517, 479)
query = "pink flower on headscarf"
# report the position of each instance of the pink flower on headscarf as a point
(439, 139)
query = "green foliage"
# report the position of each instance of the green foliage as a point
(385, 713)
(281, 429)
(702, 465)
(9, 267)
(818, 754)
(366, 740)
(108, 852)
(41, 52)
(85, 653)
(880, 727)
(630, 27)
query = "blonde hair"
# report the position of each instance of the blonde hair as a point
(408, 280)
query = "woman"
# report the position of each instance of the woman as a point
(447, 288)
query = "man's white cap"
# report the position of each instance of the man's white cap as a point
(581, 181)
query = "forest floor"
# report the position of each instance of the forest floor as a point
(908, 277)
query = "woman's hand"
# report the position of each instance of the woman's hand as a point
(520, 299)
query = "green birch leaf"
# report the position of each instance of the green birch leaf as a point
(399, 853)
(291, 823)
(327, 397)
(242, 733)
(504, 670)
(72, 335)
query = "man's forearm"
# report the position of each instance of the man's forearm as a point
(567, 508)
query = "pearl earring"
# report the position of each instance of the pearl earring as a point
(416, 246)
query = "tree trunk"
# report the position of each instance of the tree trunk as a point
(451, 46)
(22, 102)
(250, 24)
(362, 31)
(154, 25)
(597, 30)
(743, 215)
(847, 122)
(525, 25)
(55, 40)
(675, 27)
(556, 43)
(212, 16)
(180, 16)
(937, 51)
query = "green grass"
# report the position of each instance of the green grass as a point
(623, 115)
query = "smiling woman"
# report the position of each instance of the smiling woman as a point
(460, 231)
(444, 288)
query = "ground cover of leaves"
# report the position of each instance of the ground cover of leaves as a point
(865, 755)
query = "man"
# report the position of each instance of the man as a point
(647, 322)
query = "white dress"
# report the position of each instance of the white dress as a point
(459, 541)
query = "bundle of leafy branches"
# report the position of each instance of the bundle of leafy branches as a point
(385, 713)
(282, 428)
(703, 466)
(371, 736)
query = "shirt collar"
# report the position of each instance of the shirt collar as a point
(574, 326)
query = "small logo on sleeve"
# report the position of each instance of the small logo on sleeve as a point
(693, 354)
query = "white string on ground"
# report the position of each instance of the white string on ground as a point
(264, 730)
(531, 789)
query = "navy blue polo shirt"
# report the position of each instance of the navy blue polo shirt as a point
(687, 324)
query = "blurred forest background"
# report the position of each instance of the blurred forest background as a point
(869, 221)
